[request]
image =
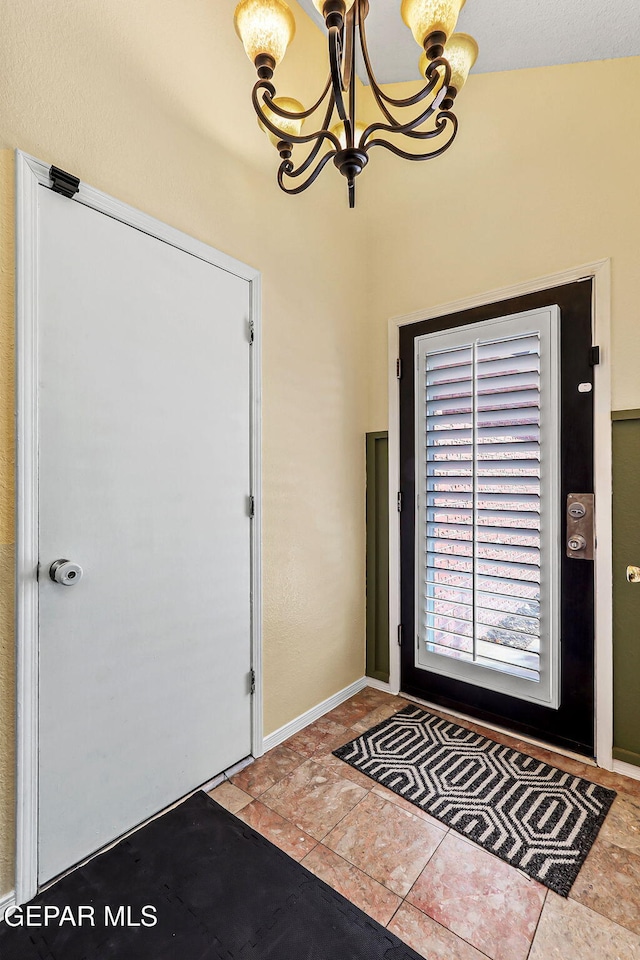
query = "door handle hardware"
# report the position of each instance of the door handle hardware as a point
(576, 543)
(580, 526)
(65, 572)
(633, 574)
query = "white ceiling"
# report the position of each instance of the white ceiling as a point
(511, 34)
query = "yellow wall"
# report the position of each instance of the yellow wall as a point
(123, 95)
(543, 177)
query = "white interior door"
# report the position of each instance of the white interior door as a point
(144, 478)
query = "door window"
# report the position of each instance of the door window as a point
(487, 494)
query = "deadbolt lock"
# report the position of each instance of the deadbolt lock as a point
(580, 526)
(633, 574)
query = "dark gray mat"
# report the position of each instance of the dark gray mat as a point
(221, 891)
(530, 814)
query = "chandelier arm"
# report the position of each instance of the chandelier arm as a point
(431, 134)
(350, 72)
(380, 95)
(288, 137)
(408, 129)
(377, 92)
(349, 49)
(415, 156)
(287, 114)
(335, 64)
(304, 166)
(433, 78)
(286, 167)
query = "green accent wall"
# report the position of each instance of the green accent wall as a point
(378, 556)
(626, 596)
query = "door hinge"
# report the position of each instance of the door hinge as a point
(251, 507)
(399, 369)
(63, 182)
(251, 332)
(252, 681)
(594, 356)
(399, 501)
(400, 634)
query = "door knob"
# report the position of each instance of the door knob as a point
(65, 572)
(576, 542)
(633, 574)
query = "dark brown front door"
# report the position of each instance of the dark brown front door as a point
(490, 448)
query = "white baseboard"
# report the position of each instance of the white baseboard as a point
(626, 769)
(294, 726)
(6, 902)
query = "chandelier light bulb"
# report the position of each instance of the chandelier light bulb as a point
(319, 5)
(431, 22)
(339, 131)
(288, 126)
(461, 52)
(266, 28)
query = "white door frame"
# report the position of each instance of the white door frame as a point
(600, 272)
(30, 175)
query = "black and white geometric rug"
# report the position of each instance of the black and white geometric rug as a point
(539, 819)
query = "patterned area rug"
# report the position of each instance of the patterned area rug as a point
(539, 819)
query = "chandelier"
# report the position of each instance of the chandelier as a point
(424, 120)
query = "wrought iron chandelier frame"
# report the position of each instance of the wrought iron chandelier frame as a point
(345, 30)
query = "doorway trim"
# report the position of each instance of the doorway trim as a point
(600, 272)
(30, 175)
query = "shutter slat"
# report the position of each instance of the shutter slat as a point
(482, 511)
(463, 594)
(449, 652)
(451, 625)
(513, 347)
(530, 363)
(448, 359)
(515, 623)
(454, 641)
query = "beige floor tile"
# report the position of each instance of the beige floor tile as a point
(349, 712)
(482, 899)
(429, 938)
(609, 883)
(366, 893)
(388, 843)
(622, 825)
(267, 770)
(278, 830)
(311, 738)
(615, 781)
(377, 715)
(570, 931)
(333, 742)
(230, 797)
(372, 697)
(392, 797)
(344, 769)
(314, 798)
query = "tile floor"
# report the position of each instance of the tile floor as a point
(443, 895)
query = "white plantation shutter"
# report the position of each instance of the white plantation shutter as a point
(487, 495)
